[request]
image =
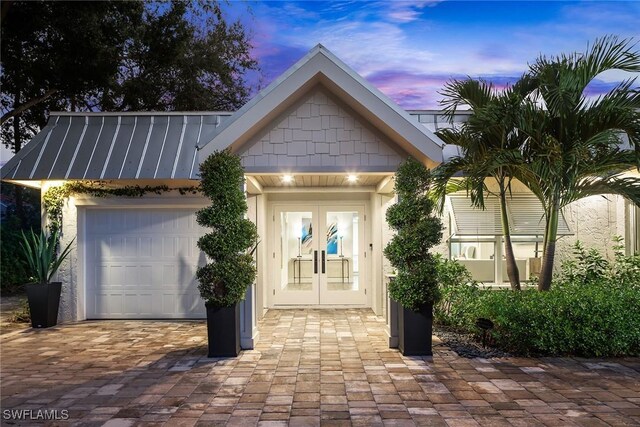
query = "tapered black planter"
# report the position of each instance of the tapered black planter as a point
(415, 330)
(223, 330)
(44, 300)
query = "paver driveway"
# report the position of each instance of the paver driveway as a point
(311, 367)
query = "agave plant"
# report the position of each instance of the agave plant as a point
(42, 256)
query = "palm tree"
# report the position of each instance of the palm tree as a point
(489, 144)
(575, 145)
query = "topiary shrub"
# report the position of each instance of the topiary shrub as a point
(224, 280)
(417, 231)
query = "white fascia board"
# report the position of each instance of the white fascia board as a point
(321, 66)
(264, 108)
(281, 86)
(384, 114)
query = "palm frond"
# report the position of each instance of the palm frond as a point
(469, 92)
(627, 187)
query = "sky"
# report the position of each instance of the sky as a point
(410, 49)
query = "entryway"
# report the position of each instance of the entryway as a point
(319, 255)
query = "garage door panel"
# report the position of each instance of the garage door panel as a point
(143, 264)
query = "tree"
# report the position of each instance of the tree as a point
(490, 147)
(184, 56)
(61, 49)
(50, 51)
(576, 146)
(116, 56)
(120, 56)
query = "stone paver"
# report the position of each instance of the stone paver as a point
(311, 367)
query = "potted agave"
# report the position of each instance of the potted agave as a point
(223, 281)
(418, 229)
(43, 295)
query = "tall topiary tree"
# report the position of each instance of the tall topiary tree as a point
(224, 280)
(417, 231)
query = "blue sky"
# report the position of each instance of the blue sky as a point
(409, 49)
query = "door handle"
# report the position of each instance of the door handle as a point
(315, 262)
(323, 261)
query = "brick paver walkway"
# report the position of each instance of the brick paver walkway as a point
(311, 367)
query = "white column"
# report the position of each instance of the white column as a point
(498, 260)
(248, 328)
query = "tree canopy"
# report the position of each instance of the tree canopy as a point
(118, 56)
(575, 145)
(489, 147)
(546, 132)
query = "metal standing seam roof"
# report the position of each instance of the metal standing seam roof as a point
(115, 146)
(435, 120)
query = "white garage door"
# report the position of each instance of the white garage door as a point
(141, 264)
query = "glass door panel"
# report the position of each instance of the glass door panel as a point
(343, 243)
(296, 256)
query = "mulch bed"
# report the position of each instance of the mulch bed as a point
(465, 344)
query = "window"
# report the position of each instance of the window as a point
(476, 239)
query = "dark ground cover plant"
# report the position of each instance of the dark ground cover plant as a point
(593, 310)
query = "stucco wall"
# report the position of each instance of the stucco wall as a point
(319, 131)
(68, 271)
(595, 221)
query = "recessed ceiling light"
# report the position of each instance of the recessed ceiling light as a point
(352, 178)
(287, 179)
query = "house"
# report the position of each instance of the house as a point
(320, 146)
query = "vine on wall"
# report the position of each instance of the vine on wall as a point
(53, 199)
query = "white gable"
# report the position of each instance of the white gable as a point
(321, 67)
(320, 131)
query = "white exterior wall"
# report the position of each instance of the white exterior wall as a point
(595, 220)
(320, 131)
(68, 272)
(387, 233)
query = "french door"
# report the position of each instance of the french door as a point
(319, 255)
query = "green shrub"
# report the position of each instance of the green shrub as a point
(42, 255)
(588, 267)
(224, 280)
(458, 294)
(417, 231)
(13, 267)
(592, 310)
(596, 320)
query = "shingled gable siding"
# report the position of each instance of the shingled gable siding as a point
(319, 132)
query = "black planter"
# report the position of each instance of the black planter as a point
(415, 330)
(223, 330)
(44, 301)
